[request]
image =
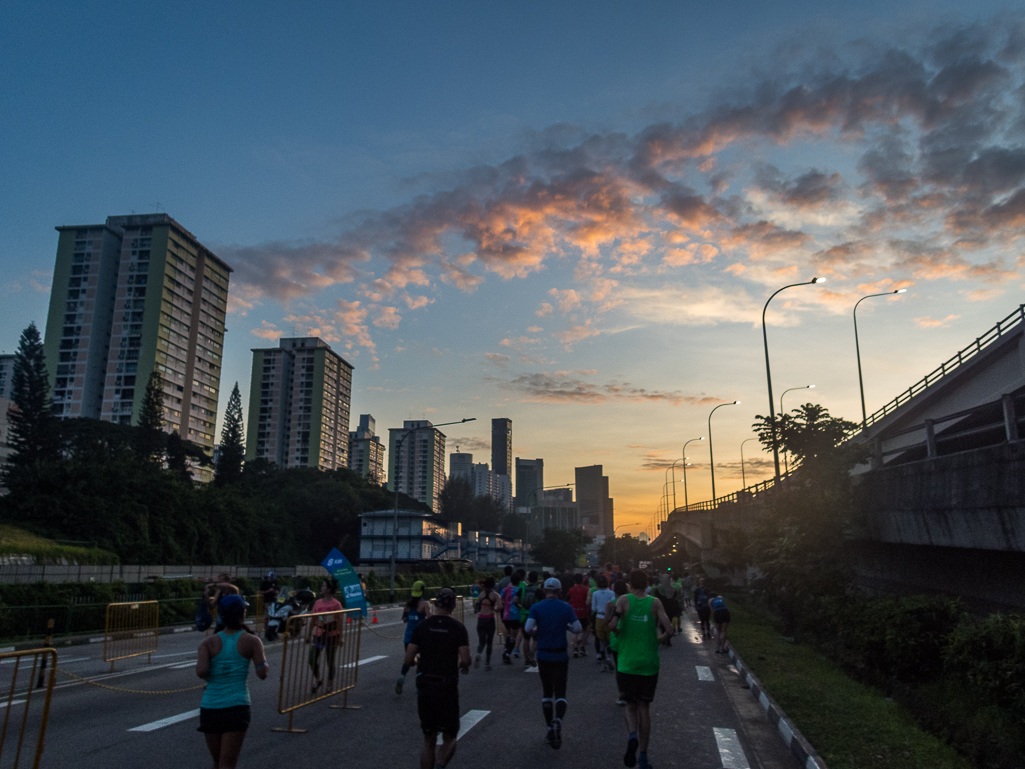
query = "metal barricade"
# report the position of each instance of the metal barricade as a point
(131, 630)
(319, 660)
(458, 613)
(259, 613)
(27, 678)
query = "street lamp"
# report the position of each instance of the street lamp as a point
(686, 502)
(672, 468)
(857, 349)
(711, 459)
(768, 371)
(614, 559)
(786, 467)
(743, 477)
(395, 521)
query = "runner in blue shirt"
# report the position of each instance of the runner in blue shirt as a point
(548, 622)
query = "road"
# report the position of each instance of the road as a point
(702, 717)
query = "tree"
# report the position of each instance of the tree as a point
(233, 450)
(625, 551)
(560, 548)
(151, 439)
(33, 431)
(458, 503)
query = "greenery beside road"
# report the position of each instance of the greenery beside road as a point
(852, 725)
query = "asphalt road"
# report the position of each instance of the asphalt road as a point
(702, 717)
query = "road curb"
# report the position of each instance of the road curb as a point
(794, 740)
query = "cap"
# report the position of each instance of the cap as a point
(271, 575)
(446, 598)
(418, 589)
(231, 603)
(553, 584)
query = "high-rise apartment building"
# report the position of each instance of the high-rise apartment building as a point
(299, 405)
(530, 479)
(460, 465)
(501, 446)
(594, 504)
(6, 374)
(137, 294)
(416, 461)
(366, 452)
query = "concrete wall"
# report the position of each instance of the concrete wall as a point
(974, 500)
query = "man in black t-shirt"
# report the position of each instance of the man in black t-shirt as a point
(269, 588)
(444, 648)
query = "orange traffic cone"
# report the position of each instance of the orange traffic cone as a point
(349, 620)
(374, 620)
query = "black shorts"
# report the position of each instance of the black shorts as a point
(438, 707)
(703, 613)
(721, 616)
(224, 720)
(512, 625)
(636, 688)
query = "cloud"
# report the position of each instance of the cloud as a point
(470, 445)
(535, 330)
(559, 387)
(983, 294)
(544, 309)
(497, 358)
(567, 300)
(519, 342)
(927, 322)
(576, 334)
(416, 302)
(387, 317)
(812, 189)
(267, 331)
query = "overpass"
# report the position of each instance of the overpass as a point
(943, 496)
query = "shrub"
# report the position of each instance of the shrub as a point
(988, 655)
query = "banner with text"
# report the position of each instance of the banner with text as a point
(338, 566)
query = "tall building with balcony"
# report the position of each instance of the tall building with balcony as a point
(366, 452)
(460, 465)
(501, 446)
(416, 461)
(530, 479)
(136, 294)
(299, 399)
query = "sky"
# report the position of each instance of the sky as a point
(566, 214)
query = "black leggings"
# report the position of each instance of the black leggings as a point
(485, 635)
(331, 646)
(553, 686)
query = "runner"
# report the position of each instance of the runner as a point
(511, 617)
(600, 598)
(701, 604)
(548, 621)
(215, 591)
(325, 635)
(670, 598)
(530, 593)
(637, 621)
(578, 600)
(223, 662)
(444, 648)
(485, 606)
(416, 610)
(619, 589)
(721, 618)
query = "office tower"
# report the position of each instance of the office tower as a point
(503, 484)
(485, 482)
(134, 295)
(299, 405)
(416, 461)
(366, 452)
(593, 501)
(460, 466)
(530, 479)
(501, 446)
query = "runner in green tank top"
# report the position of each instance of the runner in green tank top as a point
(640, 624)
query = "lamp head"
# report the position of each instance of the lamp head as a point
(901, 291)
(736, 403)
(818, 280)
(811, 387)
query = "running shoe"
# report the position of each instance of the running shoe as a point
(550, 735)
(399, 684)
(642, 761)
(516, 653)
(630, 757)
(476, 662)
(621, 701)
(583, 651)
(576, 653)
(557, 733)
(487, 667)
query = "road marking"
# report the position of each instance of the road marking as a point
(63, 662)
(153, 726)
(16, 702)
(183, 665)
(730, 751)
(467, 722)
(785, 731)
(176, 654)
(704, 673)
(367, 661)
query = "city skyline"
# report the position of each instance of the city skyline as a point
(583, 250)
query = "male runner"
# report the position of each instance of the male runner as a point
(548, 622)
(637, 620)
(577, 596)
(444, 648)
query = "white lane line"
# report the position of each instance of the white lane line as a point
(153, 726)
(176, 654)
(367, 661)
(16, 702)
(730, 751)
(469, 720)
(704, 673)
(183, 665)
(63, 662)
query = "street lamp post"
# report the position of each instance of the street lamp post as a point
(672, 468)
(786, 466)
(711, 458)
(768, 370)
(686, 502)
(743, 477)
(395, 480)
(857, 350)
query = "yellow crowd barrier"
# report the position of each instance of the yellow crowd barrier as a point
(458, 613)
(27, 678)
(319, 660)
(132, 630)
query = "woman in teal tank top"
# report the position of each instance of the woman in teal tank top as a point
(224, 662)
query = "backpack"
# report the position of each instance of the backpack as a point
(204, 619)
(528, 597)
(701, 598)
(509, 612)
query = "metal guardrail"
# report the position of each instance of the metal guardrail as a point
(320, 659)
(22, 675)
(1002, 327)
(131, 631)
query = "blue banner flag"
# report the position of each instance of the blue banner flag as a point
(338, 566)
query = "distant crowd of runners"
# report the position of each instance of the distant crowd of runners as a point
(540, 618)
